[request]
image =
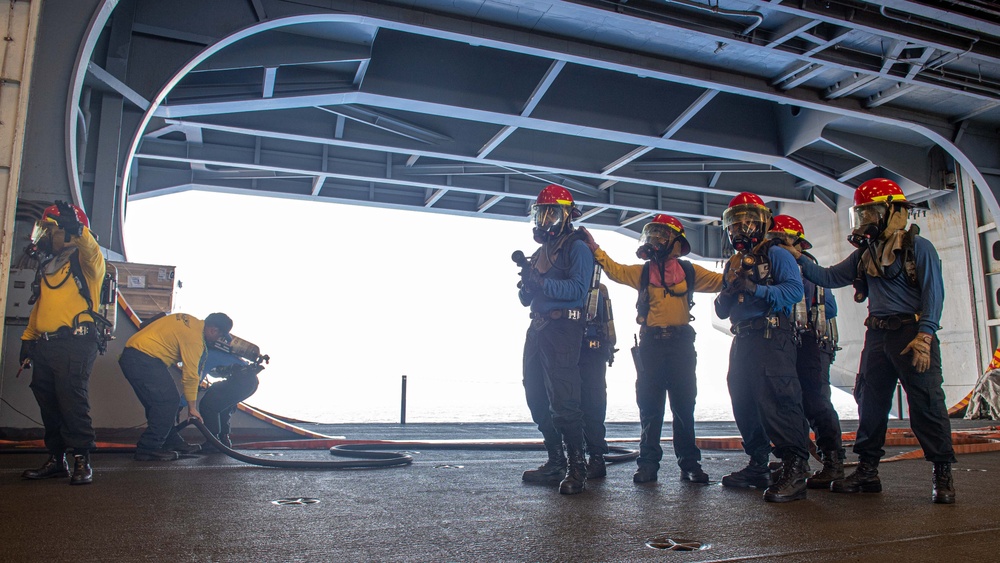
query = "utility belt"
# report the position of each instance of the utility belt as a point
(556, 314)
(63, 332)
(890, 322)
(763, 324)
(665, 332)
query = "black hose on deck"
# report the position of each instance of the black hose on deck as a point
(377, 459)
(621, 454)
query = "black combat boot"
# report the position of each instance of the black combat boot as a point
(753, 475)
(792, 484)
(646, 473)
(224, 438)
(694, 475)
(944, 486)
(54, 467)
(597, 467)
(863, 480)
(553, 470)
(82, 473)
(833, 469)
(576, 472)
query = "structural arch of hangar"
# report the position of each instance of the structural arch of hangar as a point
(470, 108)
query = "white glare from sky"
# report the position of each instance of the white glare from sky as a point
(346, 299)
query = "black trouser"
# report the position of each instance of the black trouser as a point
(60, 380)
(767, 398)
(881, 367)
(155, 389)
(813, 366)
(594, 397)
(220, 400)
(668, 369)
(551, 378)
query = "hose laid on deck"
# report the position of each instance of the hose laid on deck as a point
(376, 459)
(621, 454)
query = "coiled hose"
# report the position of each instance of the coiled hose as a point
(375, 459)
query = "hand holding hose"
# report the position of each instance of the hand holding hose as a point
(920, 346)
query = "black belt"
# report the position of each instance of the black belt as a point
(82, 329)
(665, 332)
(780, 322)
(890, 322)
(556, 314)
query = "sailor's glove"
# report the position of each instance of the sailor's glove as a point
(920, 346)
(67, 219)
(27, 353)
(531, 281)
(742, 284)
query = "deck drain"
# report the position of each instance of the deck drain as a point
(295, 501)
(675, 544)
(448, 466)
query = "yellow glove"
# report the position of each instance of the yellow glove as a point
(921, 348)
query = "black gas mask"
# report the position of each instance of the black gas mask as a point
(868, 221)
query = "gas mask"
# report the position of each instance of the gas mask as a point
(867, 223)
(746, 226)
(550, 221)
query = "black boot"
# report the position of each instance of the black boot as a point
(694, 475)
(224, 438)
(597, 467)
(792, 484)
(753, 475)
(863, 480)
(833, 469)
(576, 472)
(54, 467)
(553, 470)
(944, 486)
(82, 472)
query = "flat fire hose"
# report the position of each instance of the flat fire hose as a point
(375, 459)
(620, 453)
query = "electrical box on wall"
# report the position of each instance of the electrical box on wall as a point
(19, 292)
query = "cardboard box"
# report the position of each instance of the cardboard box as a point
(144, 276)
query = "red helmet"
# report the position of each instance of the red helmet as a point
(659, 234)
(47, 222)
(553, 210)
(53, 211)
(873, 202)
(554, 194)
(878, 190)
(788, 225)
(746, 221)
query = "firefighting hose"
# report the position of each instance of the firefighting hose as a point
(375, 459)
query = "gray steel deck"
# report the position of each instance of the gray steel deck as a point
(472, 506)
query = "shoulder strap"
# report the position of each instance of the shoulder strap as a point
(642, 303)
(909, 255)
(81, 280)
(689, 279)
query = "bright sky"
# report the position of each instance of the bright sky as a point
(346, 299)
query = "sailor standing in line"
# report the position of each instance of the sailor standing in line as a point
(762, 284)
(667, 357)
(899, 272)
(815, 320)
(554, 283)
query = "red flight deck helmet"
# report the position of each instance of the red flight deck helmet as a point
(659, 235)
(788, 225)
(746, 221)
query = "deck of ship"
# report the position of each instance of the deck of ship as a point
(470, 505)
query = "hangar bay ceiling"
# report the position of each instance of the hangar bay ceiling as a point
(472, 106)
